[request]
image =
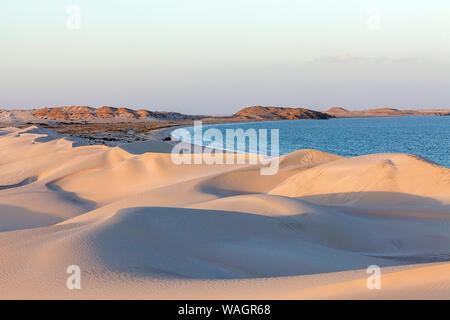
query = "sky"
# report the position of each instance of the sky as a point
(215, 57)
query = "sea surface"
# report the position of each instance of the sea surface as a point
(426, 136)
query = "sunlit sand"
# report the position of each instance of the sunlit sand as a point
(140, 226)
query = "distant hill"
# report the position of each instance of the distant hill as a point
(110, 115)
(260, 113)
(106, 114)
(76, 113)
(339, 112)
(82, 114)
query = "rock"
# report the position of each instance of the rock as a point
(278, 113)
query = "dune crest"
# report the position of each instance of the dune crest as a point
(358, 178)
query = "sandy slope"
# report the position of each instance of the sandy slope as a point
(140, 226)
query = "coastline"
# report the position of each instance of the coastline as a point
(309, 231)
(340, 131)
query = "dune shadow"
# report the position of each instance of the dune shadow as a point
(22, 183)
(217, 244)
(155, 146)
(88, 205)
(17, 218)
(371, 198)
(150, 146)
(222, 192)
(412, 259)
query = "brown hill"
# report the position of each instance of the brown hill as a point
(277, 113)
(338, 112)
(384, 112)
(88, 114)
(107, 114)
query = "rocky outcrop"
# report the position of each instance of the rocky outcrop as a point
(107, 114)
(277, 113)
(88, 114)
(339, 112)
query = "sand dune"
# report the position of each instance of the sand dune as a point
(140, 226)
(366, 178)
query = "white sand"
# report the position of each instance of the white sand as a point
(140, 226)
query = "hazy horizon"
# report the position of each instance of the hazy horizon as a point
(207, 57)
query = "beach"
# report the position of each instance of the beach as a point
(141, 227)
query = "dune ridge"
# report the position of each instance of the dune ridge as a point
(140, 226)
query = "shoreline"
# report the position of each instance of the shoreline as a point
(160, 131)
(182, 229)
(436, 156)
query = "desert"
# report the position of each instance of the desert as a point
(222, 159)
(141, 227)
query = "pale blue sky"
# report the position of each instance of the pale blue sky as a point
(207, 56)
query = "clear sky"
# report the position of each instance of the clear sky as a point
(208, 56)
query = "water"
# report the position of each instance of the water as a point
(427, 136)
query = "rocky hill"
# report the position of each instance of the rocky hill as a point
(260, 113)
(111, 115)
(339, 112)
(84, 114)
(87, 114)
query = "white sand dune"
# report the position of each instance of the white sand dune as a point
(140, 226)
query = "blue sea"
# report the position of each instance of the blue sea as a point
(427, 136)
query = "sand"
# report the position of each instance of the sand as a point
(141, 227)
